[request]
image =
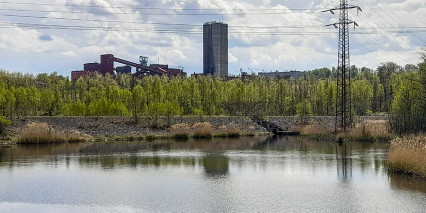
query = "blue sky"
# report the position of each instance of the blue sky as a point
(62, 35)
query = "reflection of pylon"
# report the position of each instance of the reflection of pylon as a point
(343, 98)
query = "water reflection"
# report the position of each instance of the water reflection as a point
(216, 165)
(287, 174)
(344, 161)
(402, 182)
(211, 155)
(111, 161)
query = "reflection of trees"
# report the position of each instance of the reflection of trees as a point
(402, 182)
(110, 162)
(344, 161)
(216, 164)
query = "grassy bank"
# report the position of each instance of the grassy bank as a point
(408, 155)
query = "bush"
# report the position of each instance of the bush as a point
(38, 133)
(203, 130)
(4, 123)
(180, 131)
(230, 130)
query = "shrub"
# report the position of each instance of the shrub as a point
(407, 155)
(203, 130)
(180, 131)
(4, 123)
(38, 133)
(230, 130)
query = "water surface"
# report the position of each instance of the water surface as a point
(287, 174)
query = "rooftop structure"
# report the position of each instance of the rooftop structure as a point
(276, 74)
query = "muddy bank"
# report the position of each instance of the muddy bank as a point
(98, 127)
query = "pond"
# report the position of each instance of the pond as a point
(280, 174)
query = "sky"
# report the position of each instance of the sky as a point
(264, 35)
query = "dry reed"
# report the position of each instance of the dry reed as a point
(180, 131)
(38, 133)
(230, 130)
(370, 129)
(408, 155)
(312, 129)
(366, 130)
(203, 130)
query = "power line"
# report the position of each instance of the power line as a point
(390, 24)
(158, 8)
(247, 31)
(395, 21)
(188, 25)
(148, 13)
(388, 51)
(153, 23)
(384, 33)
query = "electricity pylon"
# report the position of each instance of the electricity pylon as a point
(343, 99)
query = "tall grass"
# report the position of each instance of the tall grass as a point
(231, 130)
(39, 133)
(312, 130)
(180, 131)
(368, 130)
(408, 155)
(203, 130)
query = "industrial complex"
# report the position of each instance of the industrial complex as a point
(142, 68)
(215, 60)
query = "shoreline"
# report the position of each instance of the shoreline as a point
(113, 128)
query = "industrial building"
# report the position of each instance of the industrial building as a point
(142, 68)
(284, 75)
(215, 49)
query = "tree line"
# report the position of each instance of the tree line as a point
(388, 89)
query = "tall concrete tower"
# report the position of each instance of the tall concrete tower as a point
(215, 49)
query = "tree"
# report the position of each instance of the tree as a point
(304, 109)
(137, 101)
(3, 123)
(47, 101)
(407, 107)
(385, 71)
(362, 93)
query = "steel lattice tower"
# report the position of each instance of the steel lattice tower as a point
(343, 95)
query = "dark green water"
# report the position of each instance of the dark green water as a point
(288, 174)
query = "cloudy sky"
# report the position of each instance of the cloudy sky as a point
(62, 35)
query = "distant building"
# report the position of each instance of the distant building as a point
(107, 66)
(215, 49)
(286, 75)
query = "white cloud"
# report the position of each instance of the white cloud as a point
(307, 48)
(232, 58)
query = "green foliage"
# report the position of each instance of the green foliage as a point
(304, 109)
(4, 123)
(154, 96)
(362, 94)
(408, 110)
